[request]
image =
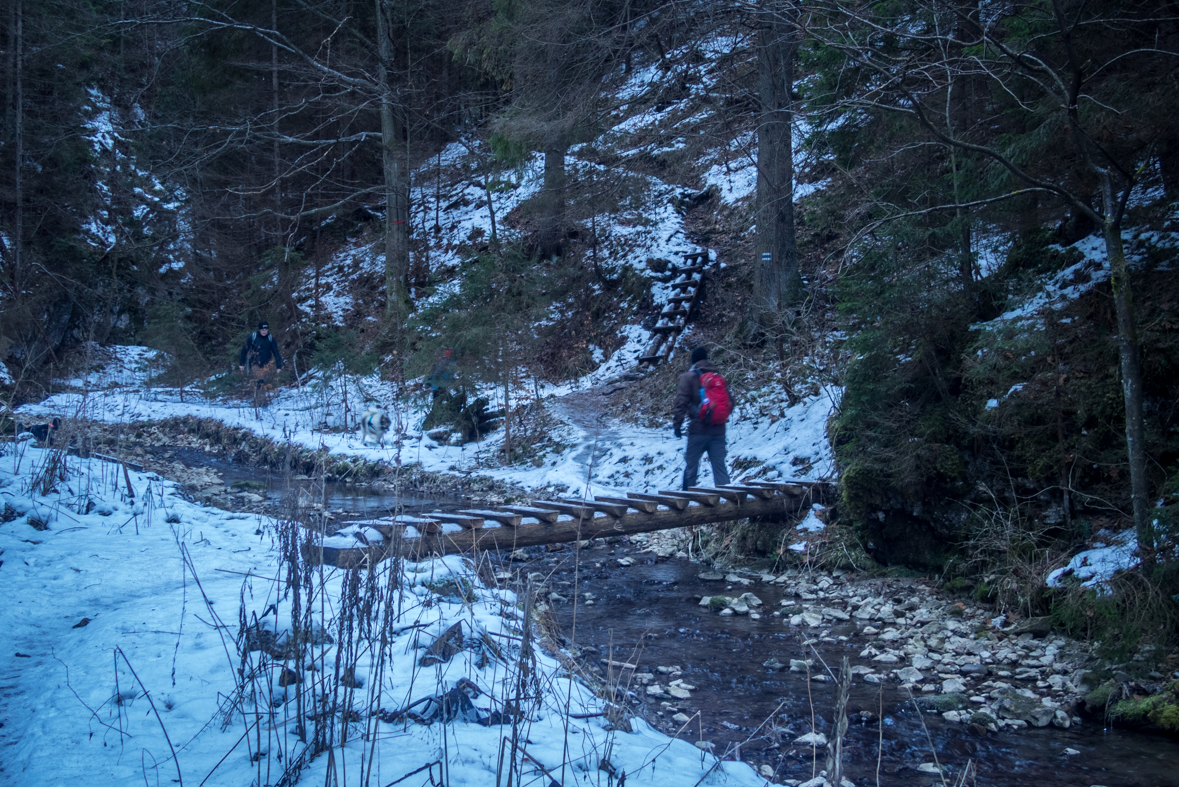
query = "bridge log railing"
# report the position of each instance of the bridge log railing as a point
(564, 521)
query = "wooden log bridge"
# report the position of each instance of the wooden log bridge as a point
(562, 521)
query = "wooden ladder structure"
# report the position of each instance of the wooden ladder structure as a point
(561, 521)
(673, 318)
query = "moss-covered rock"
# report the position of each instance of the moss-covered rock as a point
(941, 703)
(1160, 711)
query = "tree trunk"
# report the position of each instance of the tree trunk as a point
(396, 183)
(274, 83)
(552, 218)
(18, 99)
(1131, 391)
(777, 281)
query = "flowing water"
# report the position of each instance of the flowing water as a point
(648, 614)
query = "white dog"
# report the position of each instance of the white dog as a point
(374, 424)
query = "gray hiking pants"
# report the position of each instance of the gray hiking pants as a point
(697, 445)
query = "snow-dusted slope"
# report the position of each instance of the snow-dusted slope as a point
(121, 628)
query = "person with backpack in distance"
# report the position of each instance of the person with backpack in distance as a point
(702, 396)
(260, 359)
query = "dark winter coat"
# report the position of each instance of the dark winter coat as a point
(259, 350)
(687, 401)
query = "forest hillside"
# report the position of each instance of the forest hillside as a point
(953, 224)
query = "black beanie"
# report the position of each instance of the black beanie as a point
(264, 324)
(699, 354)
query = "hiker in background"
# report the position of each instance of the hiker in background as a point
(702, 396)
(260, 359)
(439, 379)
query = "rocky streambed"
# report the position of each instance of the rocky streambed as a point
(749, 664)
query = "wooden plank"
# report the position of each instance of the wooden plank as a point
(667, 329)
(422, 524)
(702, 498)
(575, 510)
(505, 518)
(673, 313)
(675, 503)
(736, 495)
(543, 514)
(781, 488)
(607, 508)
(462, 520)
(757, 491)
(646, 506)
(684, 285)
(681, 298)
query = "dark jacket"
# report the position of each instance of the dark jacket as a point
(259, 350)
(687, 400)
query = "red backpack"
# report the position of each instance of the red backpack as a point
(715, 403)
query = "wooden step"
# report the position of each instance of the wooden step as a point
(422, 524)
(761, 492)
(575, 510)
(674, 503)
(462, 520)
(673, 313)
(607, 508)
(782, 488)
(645, 506)
(505, 518)
(704, 499)
(543, 514)
(694, 268)
(696, 257)
(681, 298)
(667, 329)
(736, 495)
(685, 285)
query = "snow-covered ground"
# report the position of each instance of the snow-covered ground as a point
(123, 661)
(615, 457)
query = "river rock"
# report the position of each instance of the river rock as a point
(910, 675)
(1024, 705)
(953, 686)
(800, 665)
(984, 719)
(739, 607)
(681, 718)
(943, 702)
(655, 690)
(922, 662)
(1061, 719)
(733, 579)
(815, 739)
(750, 600)
(711, 576)
(835, 614)
(886, 658)
(1037, 627)
(812, 619)
(678, 692)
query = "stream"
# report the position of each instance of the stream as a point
(648, 614)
